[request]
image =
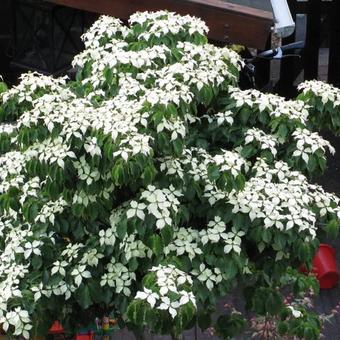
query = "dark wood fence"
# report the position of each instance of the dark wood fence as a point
(322, 29)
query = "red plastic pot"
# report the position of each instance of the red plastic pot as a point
(324, 267)
(56, 328)
(88, 336)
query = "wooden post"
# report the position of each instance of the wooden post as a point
(334, 45)
(311, 55)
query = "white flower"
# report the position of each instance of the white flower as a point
(91, 146)
(296, 313)
(148, 295)
(32, 247)
(79, 273)
(137, 209)
(91, 258)
(118, 277)
(107, 237)
(233, 241)
(166, 304)
(59, 267)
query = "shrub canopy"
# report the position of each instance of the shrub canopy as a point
(152, 185)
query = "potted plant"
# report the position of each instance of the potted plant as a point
(151, 185)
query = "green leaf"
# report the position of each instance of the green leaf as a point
(94, 289)
(266, 236)
(282, 328)
(3, 87)
(157, 117)
(36, 262)
(304, 253)
(204, 319)
(84, 298)
(149, 175)
(248, 151)
(274, 303)
(332, 229)
(178, 146)
(160, 322)
(229, 326)
(118, 174)
(184, 315)
(310, 333)
(213, 173)
(280, 240)
(156, 245)
(171, 108)
(137, 312)
(230, 269)
(167, 235)
(122, 228)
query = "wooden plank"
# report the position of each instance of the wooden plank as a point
(227, 22)
(265, 5)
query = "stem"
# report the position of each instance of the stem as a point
(174, 336)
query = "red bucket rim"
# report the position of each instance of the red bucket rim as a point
(328, 246)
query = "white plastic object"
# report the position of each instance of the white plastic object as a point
(284, 23)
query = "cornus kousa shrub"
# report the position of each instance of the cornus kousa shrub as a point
(151, 186)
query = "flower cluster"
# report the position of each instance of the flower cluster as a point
(50, 151)
(31, 83)
(162, 22)
(285, 204)
(85, 173)
(208, 276)
(216, 232)
(161, 203)
(103, 30)
(326, 92)
(275, 105)
(50, 209)
(118, 277)
(221, 118)
(171, 294)
(268, 142)
(185, 241)
(308, 143)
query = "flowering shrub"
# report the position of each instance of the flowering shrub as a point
(152, 185)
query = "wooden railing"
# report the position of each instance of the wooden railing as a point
(227, 22)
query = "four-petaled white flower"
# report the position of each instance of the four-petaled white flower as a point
(32, 248)
(59, 267)
(137, 209)
(79, 273)
(148, 295)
